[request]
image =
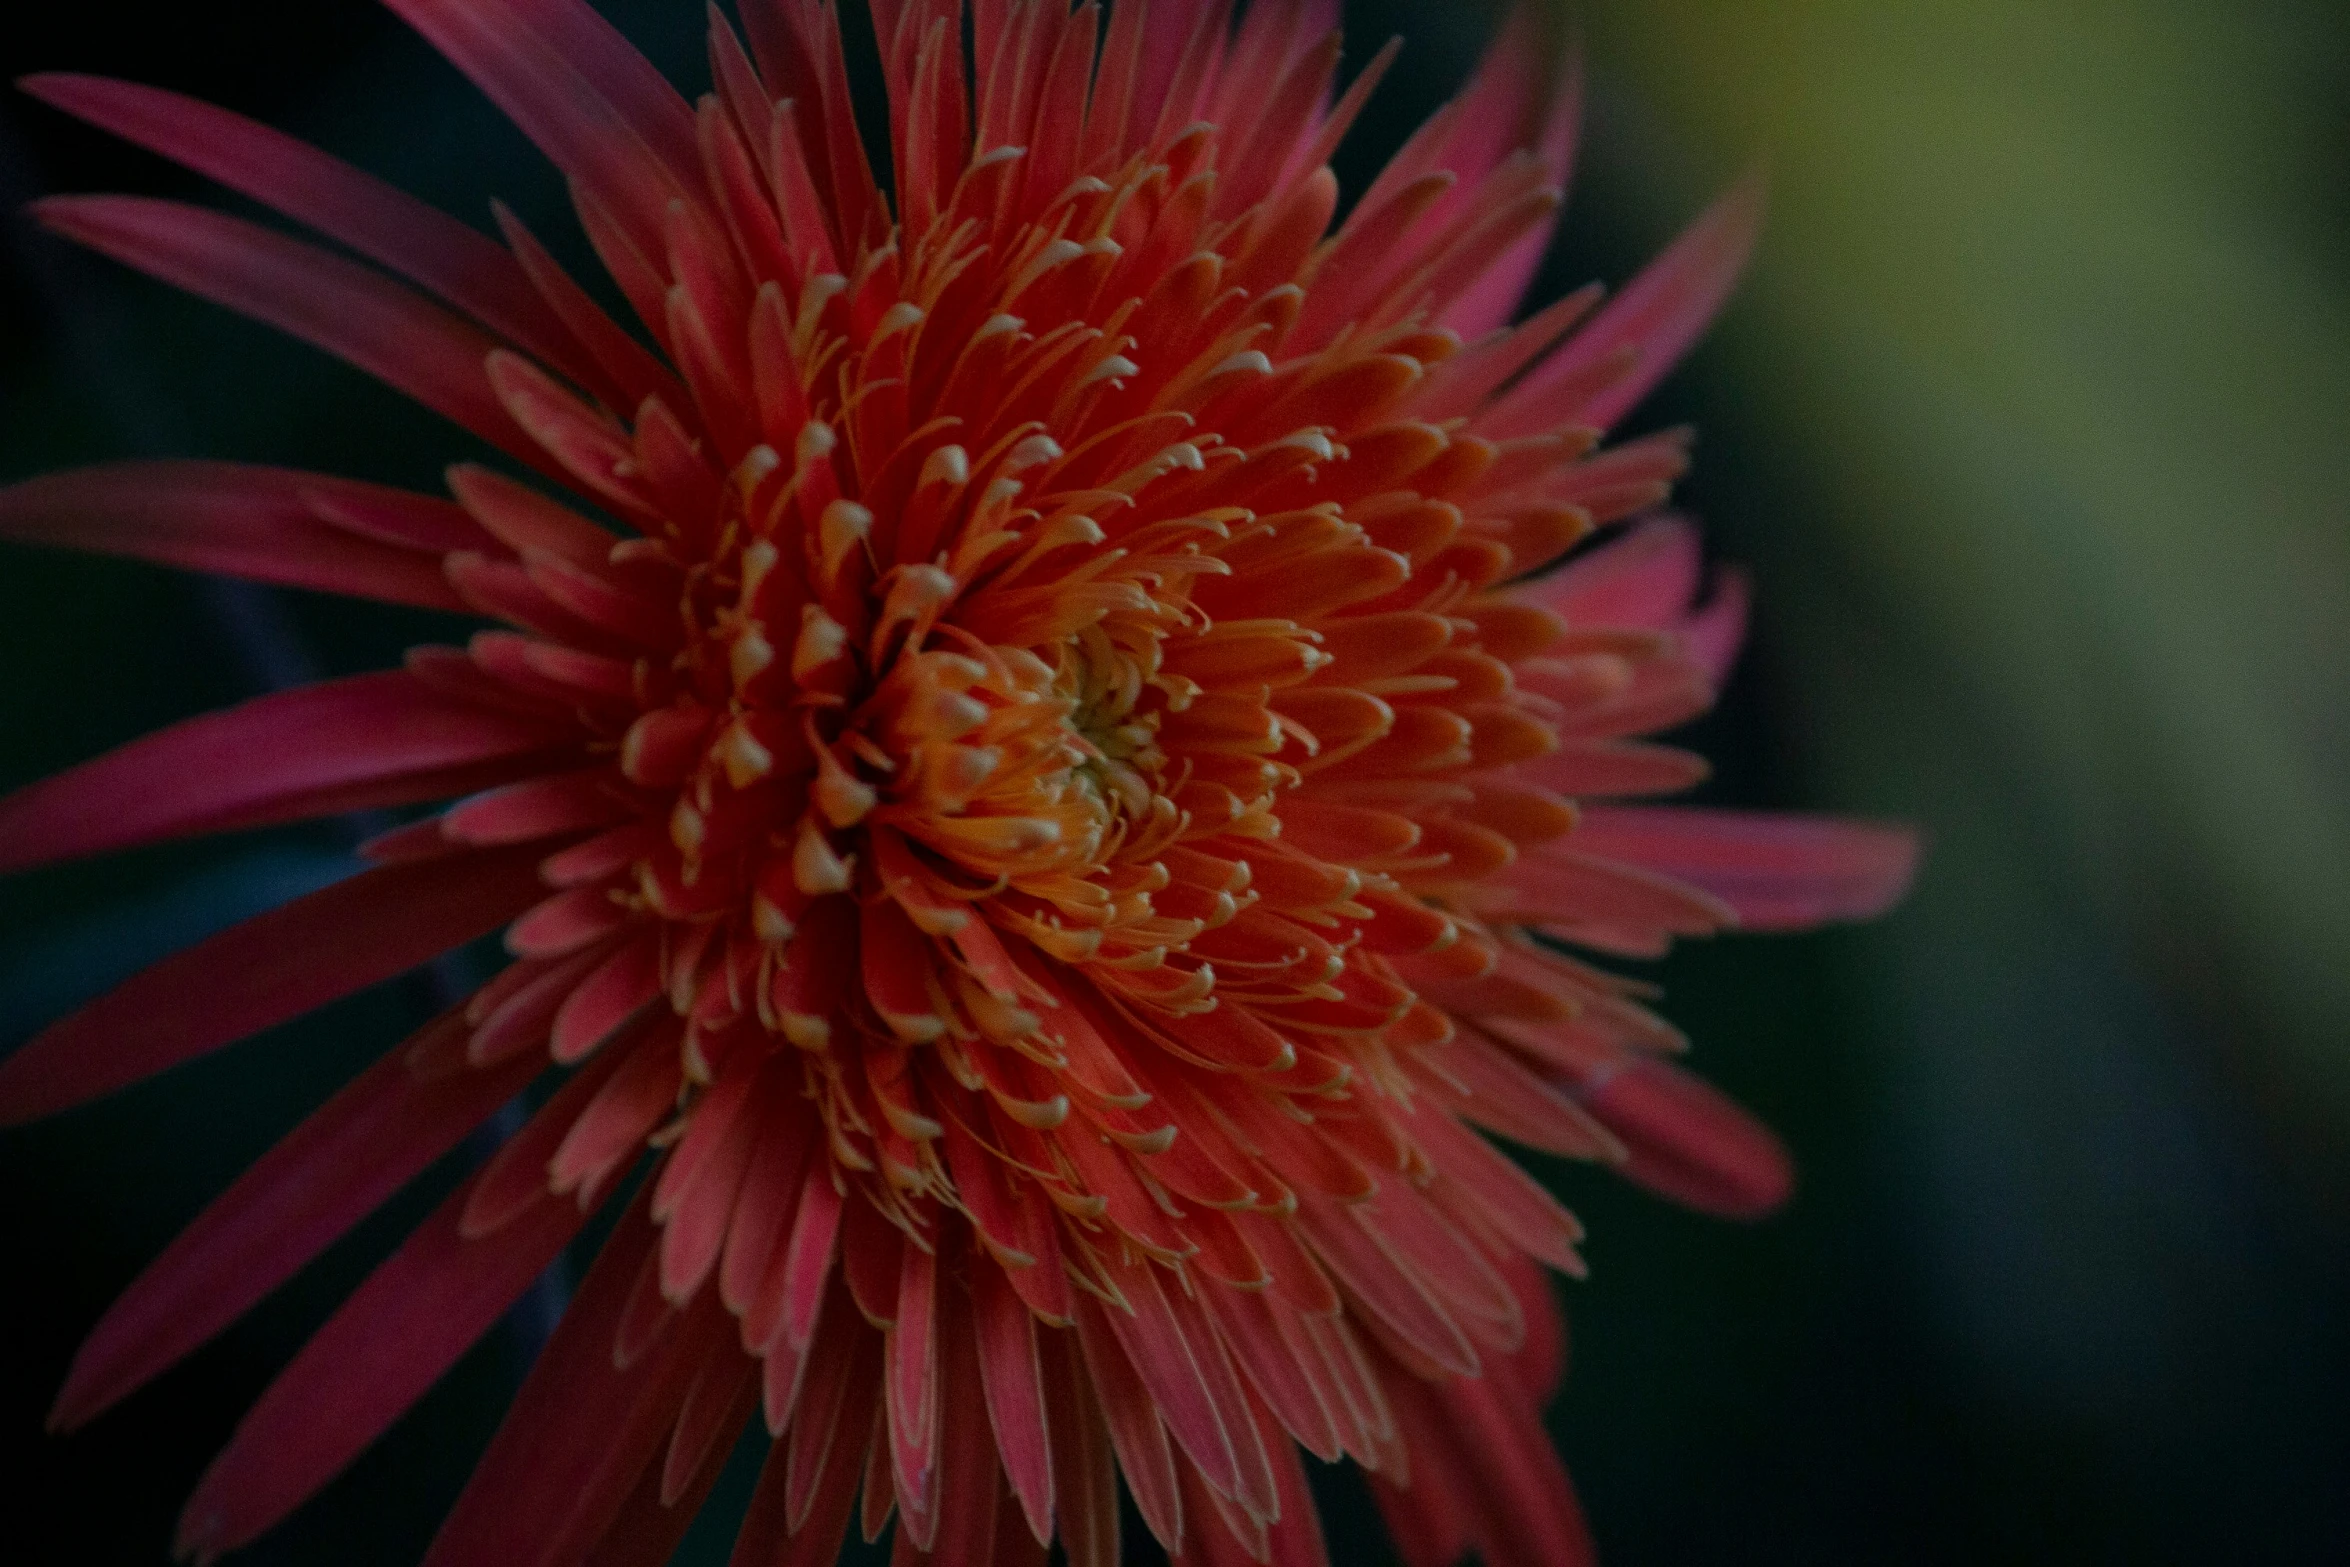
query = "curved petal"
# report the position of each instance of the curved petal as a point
(1686, 1140)
(370, 740)
(272, 967)
(1658, 315)
(1779, 871)
(376, 1356)
(356, 1150)
(378, 220)
(262, 524)
(1643, 576)
(391, 332)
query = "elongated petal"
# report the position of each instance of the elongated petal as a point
(1644, 576)
(380, 221)
(507, 51)
(1658, 315)
(1780, 872)
(559, 1470)
(407, 1324)
(262, 524)
(278, 965)
(363, 1145)
(371, 740)
(1688, 1141)
(1483, 1450)
(393, 334)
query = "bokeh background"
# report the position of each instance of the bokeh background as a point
(2032, 423)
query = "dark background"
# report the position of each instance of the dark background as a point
(2033, 424)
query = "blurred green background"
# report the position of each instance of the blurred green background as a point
(2033, 425)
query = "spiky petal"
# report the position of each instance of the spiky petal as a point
(1037, 777)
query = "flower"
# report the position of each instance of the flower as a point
(1034, 855)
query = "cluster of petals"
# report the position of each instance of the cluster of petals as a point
(1038, 769)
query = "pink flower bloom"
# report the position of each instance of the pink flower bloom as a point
(1034, 767)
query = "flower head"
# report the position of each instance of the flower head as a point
(1035, 768)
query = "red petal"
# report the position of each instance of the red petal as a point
(558, 1471)
(913, 1393)
(378, 220)
(1127, 1406)
(1689, 1141)
(1014, 1386)
(358, 315)
(533, 70)
(811, 1476)
(655, 1518)
(762, 1223)
(1252, 1324)
(1779, 872)
(355, 1151)
(1392, 1296)
(623, 982)
(272, 967)
(1085, 1472)
(1660, 313)
(516, 1177)
(385, 738)
(262, 524)
(1483, 1472)
(969, 1488)
(406, 1325)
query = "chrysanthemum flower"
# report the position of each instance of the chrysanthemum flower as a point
(1034, 769)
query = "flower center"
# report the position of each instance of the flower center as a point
(1118, 760)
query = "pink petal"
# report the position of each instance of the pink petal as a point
(1471, 1171)
(1128, 1407)
(913, 1396)
(1491, 1087)
(1575, 888)
(1085, 1463)
(1598, 769)
(558, 1472)
(1391, 1295)
(709, 1162)
(809, 1482)
(380, 221)
(541, 807)
(542, 86)
(762, 1224)
(1496, 295)
(1659, 314)
(654, 1520)
(390, 1341)
(257, 974)
(1172, 1368)
(1713, 635)
(1644, 576)
(282, 757)
(605, 999)
(1483, 1447)
(1014, 1389)
(583, 40)
(510, 1185)
(1689, 1142)
(969, 1484)
(1779, 872)
(337, 1166)
(717, 1407)
(262, 524)
(628, 371)
(392, 333)
(523, 519)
